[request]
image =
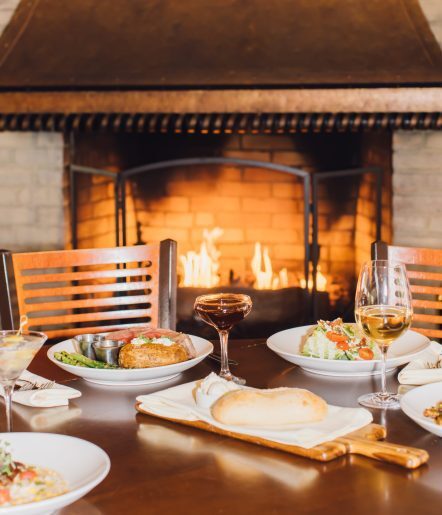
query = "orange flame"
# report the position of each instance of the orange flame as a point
(321, 281)
(202, 269)
(262, 269)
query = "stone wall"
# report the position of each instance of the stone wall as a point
(31, 191)
(417, 189)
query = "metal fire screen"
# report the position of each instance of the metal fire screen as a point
(310, 188)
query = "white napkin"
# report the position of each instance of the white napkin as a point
(178, 403)
(418, 371)
(58, 395)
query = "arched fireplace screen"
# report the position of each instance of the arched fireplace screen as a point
(310, 186)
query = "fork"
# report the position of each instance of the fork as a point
(34, 386)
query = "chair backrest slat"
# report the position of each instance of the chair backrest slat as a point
(86, 288)
(424, 270)
(77, 291)
(120, 314)
(68, 333)
(81, 276)
(90, 303)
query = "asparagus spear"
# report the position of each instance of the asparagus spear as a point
(73, 358)
(92, 363)
(66, 358)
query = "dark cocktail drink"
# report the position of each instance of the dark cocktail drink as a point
(222, 311)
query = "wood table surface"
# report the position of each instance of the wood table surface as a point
(160, 467)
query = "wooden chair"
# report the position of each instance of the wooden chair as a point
(424, 269)
(70, 292)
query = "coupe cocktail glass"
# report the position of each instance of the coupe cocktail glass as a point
(222, 311)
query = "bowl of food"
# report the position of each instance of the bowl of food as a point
(42, 472)
(337, 348)
(145, 355)
(424, 405)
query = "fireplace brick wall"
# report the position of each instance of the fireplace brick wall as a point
(31, 193)
(417, 189)
(249, 204)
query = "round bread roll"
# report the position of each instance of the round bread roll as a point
(151, 355)
(274, 407)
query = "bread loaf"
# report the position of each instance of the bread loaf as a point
(274, 407)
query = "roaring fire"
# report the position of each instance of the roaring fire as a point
(262, 269)
(321, 281)
(201, 269)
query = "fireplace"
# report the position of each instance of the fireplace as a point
(174, 84)
(237, 190)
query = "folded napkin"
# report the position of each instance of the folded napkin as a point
(58, 395)
(424, 370)
(178, 403)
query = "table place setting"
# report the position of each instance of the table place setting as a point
(290, 419)
(36, 391)
(425, 370)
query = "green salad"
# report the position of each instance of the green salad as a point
(339, 340)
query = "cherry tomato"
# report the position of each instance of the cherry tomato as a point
(365, 353)
(335, 337)
(342, 345)
(4, 496)
(28, 474)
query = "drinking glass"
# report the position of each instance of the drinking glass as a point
(222, 311)
(17, 350)
(383, 311)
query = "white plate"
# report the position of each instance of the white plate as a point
(287, 345)
(134, 376)
(82, 464)
(414, 402)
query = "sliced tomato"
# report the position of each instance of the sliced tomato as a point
(365, 353)
(335, 337)
(342, 345)
(28, 474)
(5, 496)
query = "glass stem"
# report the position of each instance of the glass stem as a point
(223, 339)
(384, 350)
(8, 389)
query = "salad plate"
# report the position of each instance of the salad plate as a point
(130, 376)
(417, 400)
(289, 343)
(81, 464)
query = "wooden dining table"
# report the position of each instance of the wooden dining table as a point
(159, 467)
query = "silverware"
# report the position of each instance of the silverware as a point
(29, 385)
(438, 364)
(217, 358)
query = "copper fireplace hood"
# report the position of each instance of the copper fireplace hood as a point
(173, 65)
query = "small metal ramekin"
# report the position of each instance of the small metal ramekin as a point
(108, 350)
(83, 344)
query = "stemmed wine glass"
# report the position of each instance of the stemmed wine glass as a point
(222, 311)
(17, 349)
(383, 311)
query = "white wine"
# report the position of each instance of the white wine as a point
(383, 323)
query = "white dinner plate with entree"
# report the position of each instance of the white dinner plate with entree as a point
(298, 346)
(424, 405)
(50, 471)
(130, 376)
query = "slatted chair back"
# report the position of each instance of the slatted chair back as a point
(70, 292)
(424, 270)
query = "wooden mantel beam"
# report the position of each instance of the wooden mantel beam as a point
(361, 100)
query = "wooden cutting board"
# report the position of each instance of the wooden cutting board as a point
(365, 442)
